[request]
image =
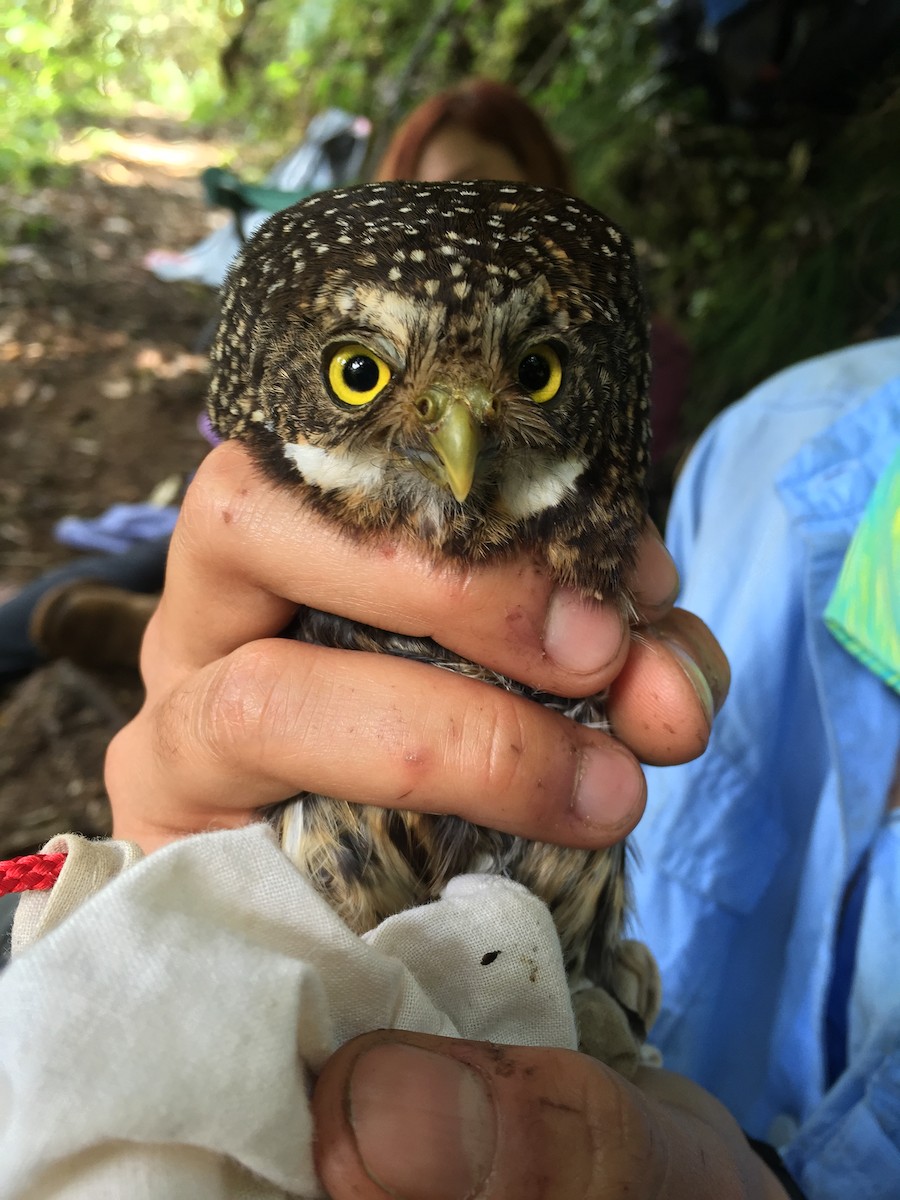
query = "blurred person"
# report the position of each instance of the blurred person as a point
(769, 876)
(477, 130)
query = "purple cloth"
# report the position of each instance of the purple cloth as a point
(118, 529)
(205, 426)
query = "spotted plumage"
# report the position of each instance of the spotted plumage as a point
(462, 365)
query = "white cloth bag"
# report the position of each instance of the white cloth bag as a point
(162, 1017)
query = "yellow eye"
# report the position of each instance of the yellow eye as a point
(356, 375)
(541, 373)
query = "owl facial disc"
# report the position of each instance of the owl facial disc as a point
(462, 364)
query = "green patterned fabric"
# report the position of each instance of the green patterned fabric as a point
(864, 610)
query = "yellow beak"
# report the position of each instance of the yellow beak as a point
(456, 442)
(454, 420)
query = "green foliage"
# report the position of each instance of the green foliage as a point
(767, 246)
(29, 100)
(61, 59)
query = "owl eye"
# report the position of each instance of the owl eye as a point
(541, 373)
(356, 375)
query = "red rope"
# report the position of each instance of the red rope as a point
(30, 873)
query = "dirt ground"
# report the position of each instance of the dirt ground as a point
(100, 390)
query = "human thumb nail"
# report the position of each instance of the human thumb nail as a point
(424, 1122)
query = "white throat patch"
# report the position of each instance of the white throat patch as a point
(331, 470)
(533, 482)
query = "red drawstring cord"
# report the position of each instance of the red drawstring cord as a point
(30, 873)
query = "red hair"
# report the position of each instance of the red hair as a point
(492, 111)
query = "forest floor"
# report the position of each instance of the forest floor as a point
(100, 390)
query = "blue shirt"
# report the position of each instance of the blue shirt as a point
(746, 855)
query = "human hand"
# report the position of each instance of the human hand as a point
(236, 718)
(425, 1118)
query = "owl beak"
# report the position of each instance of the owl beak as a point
(454, 421)
(456, 441)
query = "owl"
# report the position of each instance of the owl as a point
(462, 366)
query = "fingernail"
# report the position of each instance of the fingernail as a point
(704, 665)
(580, 635)
(424, 1123)
(610, 789)
(699, 682)
(658, 574)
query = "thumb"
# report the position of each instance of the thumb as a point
(414, 1117)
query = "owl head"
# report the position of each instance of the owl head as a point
(464, 364)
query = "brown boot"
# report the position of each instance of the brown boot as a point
(91, 623)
